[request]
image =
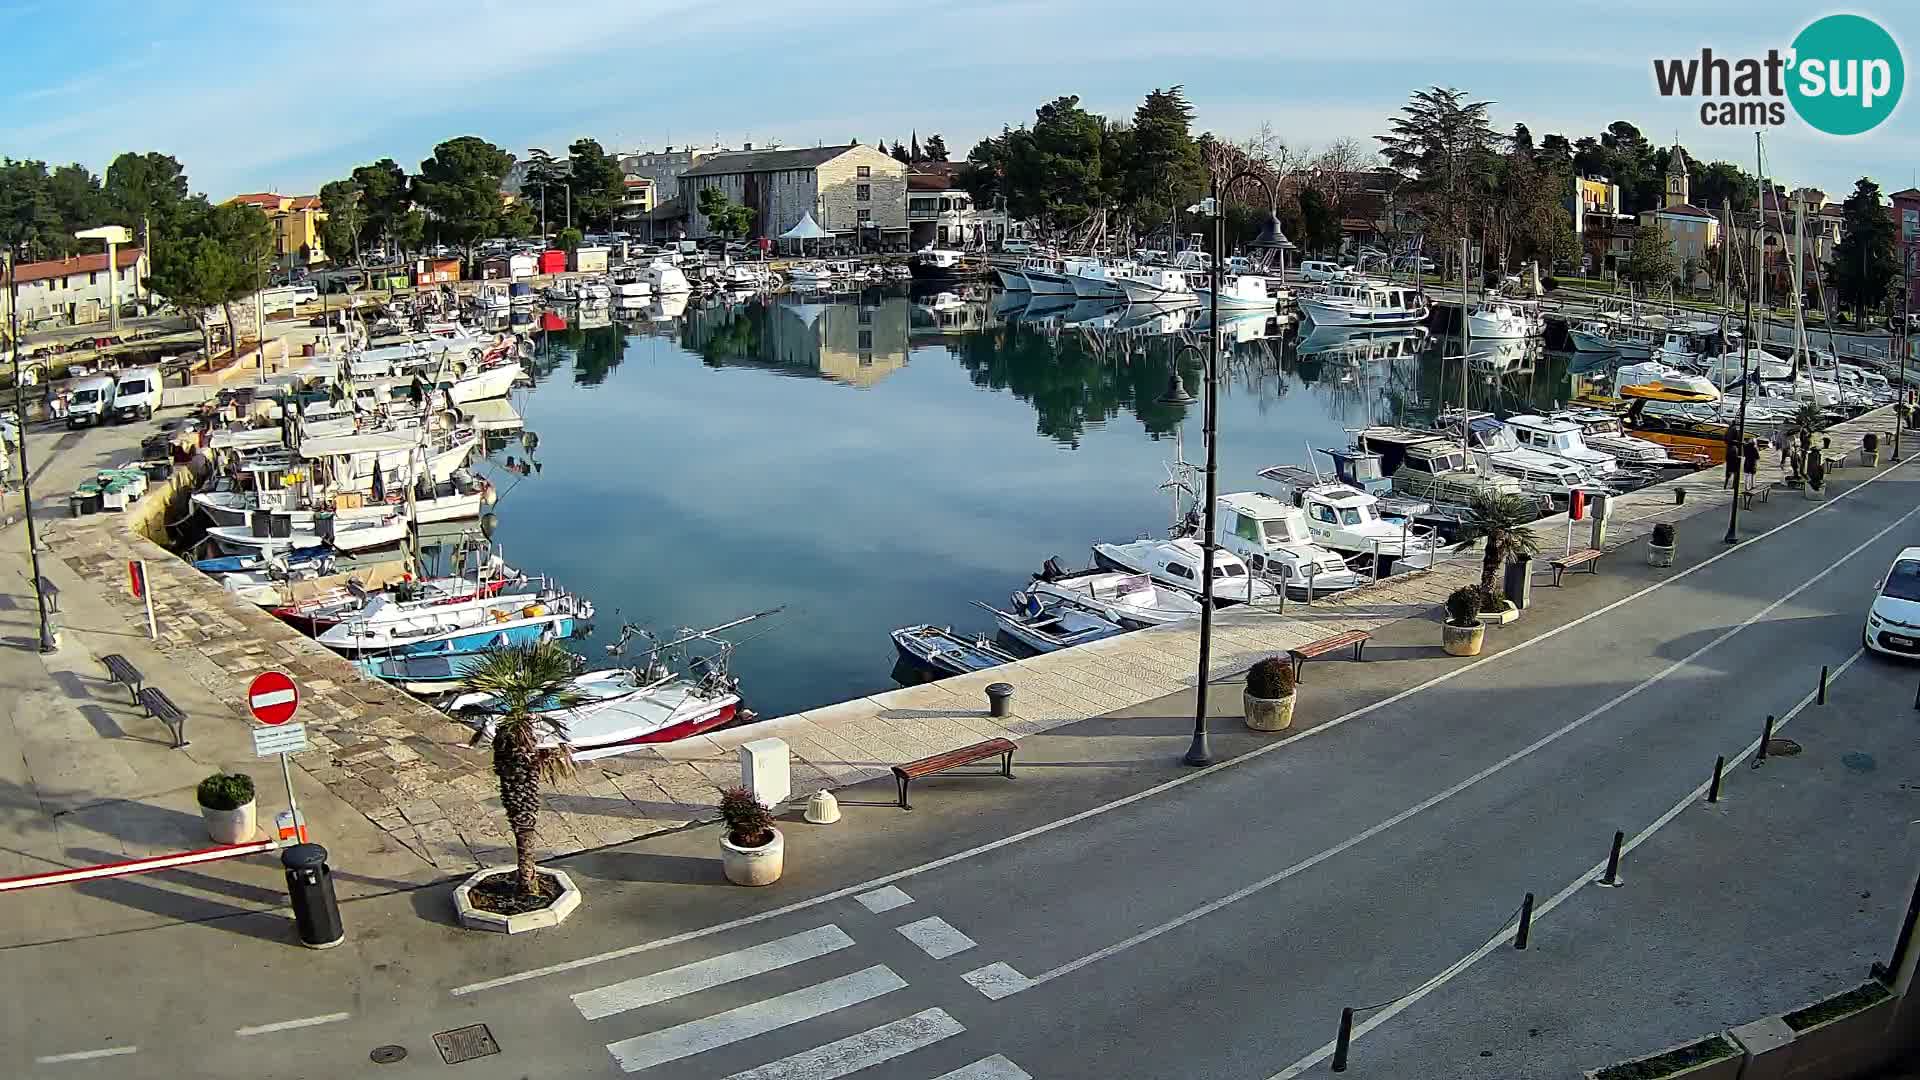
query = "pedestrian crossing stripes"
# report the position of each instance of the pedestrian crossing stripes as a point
(758, 1018)
(936, 937)
(856, 1052)
(707, 974)
(987, 1068)
(884, 899)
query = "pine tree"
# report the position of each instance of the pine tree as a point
(1863, 263)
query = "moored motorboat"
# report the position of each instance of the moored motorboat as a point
(1047, 627)
(1131, 600)
(1177, 564)
(939, 650)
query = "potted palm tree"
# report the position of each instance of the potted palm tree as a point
(1269, 694)
(226, 805)
(529, 684)
(1870, 449)
(1495, 608)
(1501, 520)
(1462, 634)
(752, 850)
(1660, 546)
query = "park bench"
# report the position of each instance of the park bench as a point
(1587, 557)
(1763, 491)
(161, 707)
(1303, 653)
(952, 759)
(122, 671)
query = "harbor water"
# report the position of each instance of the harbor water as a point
(880, 459)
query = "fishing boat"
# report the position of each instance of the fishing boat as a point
(385, 626)
(1099, 279)
(1500, 319)
(1048, 627)
(1274, 540)
(940, 264)
(1177, 564)
(1157, 285)
(1561, 439)
(1498, 449)
(1131, 600)
(489, 382)
(423, 675)
(251, 563)
(1238, 292)
(1365, 303)
(314, 615)
(1428, 465)
(939, 650)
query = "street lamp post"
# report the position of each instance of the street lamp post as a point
(1199, 753)
(47, 644)
(1739, 445)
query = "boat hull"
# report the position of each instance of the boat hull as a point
(1012, 280)
(1142, 292)
(1042, 283)
(1336, 315)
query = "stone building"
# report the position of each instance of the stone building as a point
(72, 292)
(855, 192)
(1690, 230)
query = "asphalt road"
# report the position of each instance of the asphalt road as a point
(1110, 914)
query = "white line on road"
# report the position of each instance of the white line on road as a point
(289, 1025)
(709, 973)
(1503, 937)
(987, 1068)
(1434, 800)
(1158, 789)
(936, 937)
(997, 980)
(856, 1052)
(758, 1018)
(85, 1055)
(884, 900)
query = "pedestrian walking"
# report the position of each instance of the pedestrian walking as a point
(1732, 451)
(1750, 460)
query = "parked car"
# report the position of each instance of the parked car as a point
(136, 393)
(1893, 619)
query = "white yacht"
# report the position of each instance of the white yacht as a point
(1497, 318)
(1603, 431)
(1365, 303)
(1238, 292)
(1178, 562)
(1274, 539)
(1561, 439)
(1347, 520)
(1497, 450)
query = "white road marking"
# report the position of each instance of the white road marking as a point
(1504, 937)
(758, 1018)
(997, 981)
(882, 900)
(987, 1068)
(1434, 800)
(936, 937)
(288, 1025)
(1158, 789)
(856, 1052)
(706, 974)
(85, 1055)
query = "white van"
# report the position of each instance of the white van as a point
(136, 393)
(90, 400)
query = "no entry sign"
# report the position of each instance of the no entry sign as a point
(272, 697)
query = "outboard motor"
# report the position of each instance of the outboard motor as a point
(1051, 570)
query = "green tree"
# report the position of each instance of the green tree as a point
(1443, 142)
(1319, 223)
(1501, 520)
(529, 744)
(1650, 263)
(568, 240)
(193, 274)
(900, 154)
(386, 197)
(221, 255)
(1163, 169)
(724, 216)
(546, 178)
(1863, 262)
(1053, 170)
(148, 192)
(408, 232)
(460, 187)
(598, 185)
(30, 222)
(346, 219)
(935, 148)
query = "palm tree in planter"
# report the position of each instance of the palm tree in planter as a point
(1462, 634)
(1269, 694)
(1501, 520)
(529, 683)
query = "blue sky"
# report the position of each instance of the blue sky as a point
(286, 96)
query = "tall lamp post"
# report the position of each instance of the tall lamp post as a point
(1199, 753)
(1739, 445)
(47, 643)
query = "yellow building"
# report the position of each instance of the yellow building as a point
(296, 224)
(1690, 231)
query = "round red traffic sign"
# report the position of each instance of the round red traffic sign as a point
(272, 697)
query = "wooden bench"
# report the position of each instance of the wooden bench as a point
(1587, 557)
(122, 671)
(162, 708)
(1303, 653)
(1764, 491)
(965, 755)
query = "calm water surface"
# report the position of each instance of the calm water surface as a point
(884, 460)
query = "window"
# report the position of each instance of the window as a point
(1246, 528)
(943, 234)
(866, 216)
(863, 192)
(863, 171)
(1321, 513)
(1903, 581)
(1351, 516)
(866, 340)
(93, 277)
(866, 316)
(1180, 571)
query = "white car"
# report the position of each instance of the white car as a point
(1893, 622)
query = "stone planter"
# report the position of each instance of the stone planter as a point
(1724, 1067)
(1507, 613)
(1462, 640)
(236, 826)
(1268, 714)
(553, 914)
(1845, 1043)
(753, 866)
(1658, 555)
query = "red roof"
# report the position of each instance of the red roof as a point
(1910, 193)
(1684, 210)
(928, 182)
(84, 264)
(305, 202)
(265, 200)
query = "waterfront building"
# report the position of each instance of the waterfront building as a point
(296, 225)
(1603, 230)
(855, 192)
(62, 292)
(940, 213)
(1906, 223)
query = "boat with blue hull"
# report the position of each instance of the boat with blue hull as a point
(386, 627)
(939, 650)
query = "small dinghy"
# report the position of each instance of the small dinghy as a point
(1131, 600)
(1047, 627)
(938, 649)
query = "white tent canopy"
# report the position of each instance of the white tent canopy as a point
(807, 229)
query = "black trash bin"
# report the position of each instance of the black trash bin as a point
(310, 885)
(1519, 583)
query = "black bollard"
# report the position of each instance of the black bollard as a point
(316, 913)
(1822, 700)
(1713, 792)
(1526, 923)
(1766, 736)
(1344, 1040)
(999, 699)
(1679, 496)
(1612, 877)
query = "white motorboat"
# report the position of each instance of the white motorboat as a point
(1500, 319)
(1048, 627)
(1238, 292)
(1561, 439)
(632, 290)
(615, 711)
(1095, 279)
(1157, 285)
(1177, 563)
(1364, 303)
(489, 382)
(1427, 465)
(1131, 600)
(1011, 279)
(243, 540)
(361, 532)
(1603, 431)
(1656, 381)
(1047, 277)
(1274, 540)
(471, 626)
(665, 279)
(1496, 448)
(1347, 520)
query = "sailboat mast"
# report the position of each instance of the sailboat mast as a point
(1759, 251)
(1466, 337)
